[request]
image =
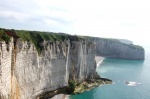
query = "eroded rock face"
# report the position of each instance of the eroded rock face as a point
(25, 74)
(113, 48)
(119, 50)
(82, 57)
(37, 74)
(5, 69)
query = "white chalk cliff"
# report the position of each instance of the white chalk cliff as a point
(26, 74)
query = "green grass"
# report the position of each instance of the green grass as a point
(24, 35)
(4, 36)
(36, 37)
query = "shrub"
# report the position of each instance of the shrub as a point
(4, 36)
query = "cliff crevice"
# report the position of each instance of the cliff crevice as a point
(15, 91)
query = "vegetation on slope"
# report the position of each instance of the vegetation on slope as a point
(35, 37)
(4, 36)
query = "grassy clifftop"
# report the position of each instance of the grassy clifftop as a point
(35, 36)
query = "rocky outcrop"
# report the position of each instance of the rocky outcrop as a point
(90, 84)
(24, 74)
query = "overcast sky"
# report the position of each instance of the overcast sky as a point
(129, 19)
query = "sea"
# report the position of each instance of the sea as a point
(131, 79)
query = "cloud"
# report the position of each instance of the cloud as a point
(107, 18)
(15, 10)
(33, 15)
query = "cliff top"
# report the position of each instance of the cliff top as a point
(36, 37)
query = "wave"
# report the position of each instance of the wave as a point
(131, 83)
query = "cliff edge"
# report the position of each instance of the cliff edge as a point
(118, 48)
(33, 63)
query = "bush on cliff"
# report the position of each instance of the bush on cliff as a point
(4, 36)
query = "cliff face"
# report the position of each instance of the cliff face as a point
(25, 75)
(115, 49)
(48, 62)
(82, 57)
(5, 69)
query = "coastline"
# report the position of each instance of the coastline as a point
(83, 87)
(61, 96)
(99, 60)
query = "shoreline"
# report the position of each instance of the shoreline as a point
(61, 96)
(99, 60)
(83, 87)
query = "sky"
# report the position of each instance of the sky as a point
(125, 19)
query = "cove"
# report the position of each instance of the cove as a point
(120, 71)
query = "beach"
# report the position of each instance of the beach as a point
(99, 60)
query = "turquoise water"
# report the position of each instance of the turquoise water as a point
(120, 71)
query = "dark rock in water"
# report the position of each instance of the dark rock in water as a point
(90, 84)
(126, 82)
(131, 83)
